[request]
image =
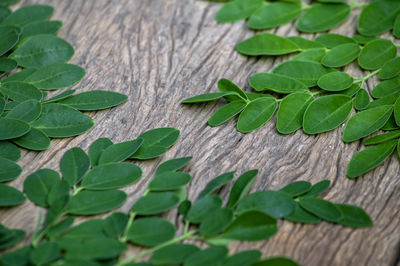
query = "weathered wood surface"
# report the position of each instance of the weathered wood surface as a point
(161, 51)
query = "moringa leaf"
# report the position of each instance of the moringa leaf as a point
(114, 225)
(73, 165)
(9, 151)
(97, 148)
(26, 111)
(10, 196)
(307, 72)
(237, 10)
(322, 17)
(173, 254)
(7, 65)
(45, 253)
(120, 151)
(19, 76)
(60, 121)
(56, 76)
(321, 208)
(226, 112)
(40, 27)
(291, 112)
(95, 202)
(271, 15)
(335, 81)
(169, 181)
(207, 97)
(241, 187)
(390, 69)
(341, 55)
(397, 111)
(318, 188)
(94, 100)
(331, 40)
(42, 50)
(111, 176)
(376, 53)
(151, 231)
(217, 183)
(299, 215)
(388, 100)
(267, 44)
(226, 85)
(38, 184)
(9, 170)
(315, 54)
(354, 216)
(368, 159)
(382, 138)
(366, 122)
(27, 14)
(212, 255)
(326, 113)
(215, 222)
(173, 165)
(276, 83)
(256, 114)
(243, 258)
(361, 101)
(305, 44)
(155, 203)
(297, 188)
(386, 88)
(9, 38)
(202, 207)
(20, 91)
(12, 128)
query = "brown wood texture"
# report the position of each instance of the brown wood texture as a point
(162, 51)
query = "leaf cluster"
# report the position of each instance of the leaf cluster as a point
(90, 183)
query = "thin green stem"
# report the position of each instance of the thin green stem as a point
(151, 250)
(186, 229)
(365, 78)
(37, 228)
(77, 190)
(124, 237)
(357, 5)
(305, 6)
(397, 44)
(316, 93)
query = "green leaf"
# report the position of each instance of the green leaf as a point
(321, 208)
(173, 165)
(155, 139)
(35, 140)
(361, 101)
(95, 202)
(173, 254)
(60, 227)
(42, 50)
(326, 113)
(322, 17)
(61, 96)
(19, 76)
(16, 257)
(266, 44)
(354, 216)
(73, 165)
(97, 148)
(386, 88)
(45, 253)
(376, 53)
(256, 114)
(217, 183)
(9, 170)
(237, 10)
(390, 69)
(243, 258)
(59, 121)
(366, 122)
(271, 15)
(9, 38)
(40, 27)
(151, 231)
(341, 55)
(396, 27)
(378, 17)
(382, 138)
(331, 40)
(94, 100)
(350, 91)
(388, 100)
(58, 191)
(7, 65)
(155, 203)
(9, 151)
(4, 12)
(276, 83)
(299, 215)
(38, 184)
(12, 128)
(361, 39)
(335, 81)
(215, 222)
(209, 256)
(114, 225)
(226, 85)
(277, 261)
(251, 226)
(26, 111)
(10, 237)
(120, 151)
(291, 112)
(275, 203)
(318, 188)
(390, 124)
(315, 54)
(169, 181)
(56, 76)
(305, 44)
(201, 208)
(307, 72)
(111, 176)
(10, 196)
(368, 159)
(226, 112)
(207, 97)
(297, 188)
(20, 91)
(397, 111)
(184, 207)
(29, 14)
(241, 187)
(87, 229)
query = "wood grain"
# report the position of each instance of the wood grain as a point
(162, 51)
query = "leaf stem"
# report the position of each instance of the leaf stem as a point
(363, 79)
(357, 5)
(77, 190)
(36, 235)
(149, 251)
(124, 237)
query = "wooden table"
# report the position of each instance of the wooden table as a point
(162, 51)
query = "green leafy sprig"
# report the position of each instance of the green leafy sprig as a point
(90, 184)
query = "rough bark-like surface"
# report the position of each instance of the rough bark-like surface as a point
(162, 51)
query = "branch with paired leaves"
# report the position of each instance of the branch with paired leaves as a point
(90, 185)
